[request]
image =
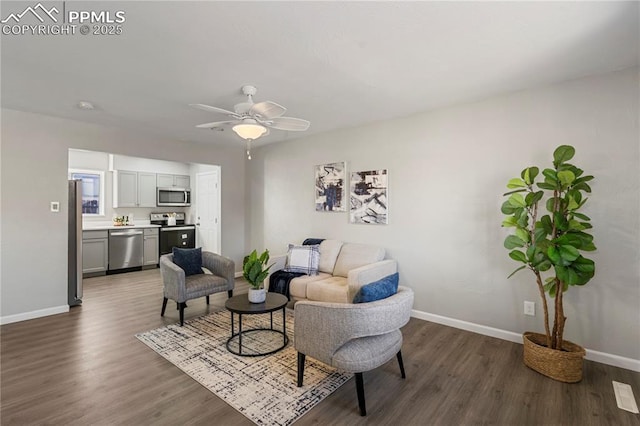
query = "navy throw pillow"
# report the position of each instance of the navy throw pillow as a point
(188, 259)
(381, 289)
(312, 241)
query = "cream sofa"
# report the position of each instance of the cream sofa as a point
(343, 269)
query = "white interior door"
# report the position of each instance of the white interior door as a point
(208, 211)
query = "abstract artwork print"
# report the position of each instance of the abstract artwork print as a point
(330, 187)
(369, 202)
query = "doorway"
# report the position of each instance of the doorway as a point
(208, 210)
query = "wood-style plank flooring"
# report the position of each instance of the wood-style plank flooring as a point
(87, 368)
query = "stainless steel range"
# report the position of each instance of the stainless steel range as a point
(173, 231)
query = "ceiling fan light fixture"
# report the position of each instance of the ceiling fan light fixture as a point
(249, 130)
(86, 105)
(252, 120)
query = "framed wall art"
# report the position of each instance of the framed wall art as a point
(330, 187)
(369, 198)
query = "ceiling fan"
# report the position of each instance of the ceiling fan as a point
(252, 120)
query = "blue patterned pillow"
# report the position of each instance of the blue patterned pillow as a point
(381, 289)
(188, 259)
(303, 259)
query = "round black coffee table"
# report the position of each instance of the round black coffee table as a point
(240, 305)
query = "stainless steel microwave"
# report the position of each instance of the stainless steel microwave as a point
(174, 197)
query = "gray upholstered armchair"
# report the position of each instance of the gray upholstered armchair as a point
(180, 288)
(352, 337)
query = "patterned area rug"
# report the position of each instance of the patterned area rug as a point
(263, 388)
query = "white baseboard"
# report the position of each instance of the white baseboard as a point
(592, 355)
(238, 275)
(8, 319)
(602, 357)
(615, 360)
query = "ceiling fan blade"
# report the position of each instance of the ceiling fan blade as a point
(267, 110)
(213, 109)
(215, 124)
(288, 123)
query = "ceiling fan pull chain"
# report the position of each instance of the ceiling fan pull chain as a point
(248, 149)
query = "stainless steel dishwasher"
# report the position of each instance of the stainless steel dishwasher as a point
(125, 248)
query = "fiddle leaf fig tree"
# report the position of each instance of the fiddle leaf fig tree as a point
(549, 233)
(253, 268)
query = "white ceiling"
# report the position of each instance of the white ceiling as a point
(337, 64)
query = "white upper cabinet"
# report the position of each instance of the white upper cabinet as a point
(183, 181)
(146, 189)
(134, 189)
(125, 189)
(168, 181)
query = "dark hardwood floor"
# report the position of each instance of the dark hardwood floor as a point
(87, 368)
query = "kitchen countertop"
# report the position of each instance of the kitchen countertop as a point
(102, 226)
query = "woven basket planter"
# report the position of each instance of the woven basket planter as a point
(564, 366)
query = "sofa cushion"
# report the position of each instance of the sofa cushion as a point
(202, 284)
(190, 260)
(354, 255)
(332, 289)
(381, 289)
(298, 285)
(303, 259)
(329, 250)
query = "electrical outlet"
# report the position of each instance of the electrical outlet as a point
(55, 206)
(529, 308)
(624, 397)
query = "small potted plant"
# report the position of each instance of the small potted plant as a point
(550, 246)
(255, 272)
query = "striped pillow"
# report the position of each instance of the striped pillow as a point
(303, 259)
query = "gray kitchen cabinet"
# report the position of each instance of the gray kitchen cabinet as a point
(164, 180)
(134, 189)
(182, 181)
(146, 189)
(125, 189)
(178, 181)
(151, 247)
(95, 252)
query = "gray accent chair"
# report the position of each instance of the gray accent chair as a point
(352, 337)
(180, 288)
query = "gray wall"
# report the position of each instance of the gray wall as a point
(447, 171)
(34, 173)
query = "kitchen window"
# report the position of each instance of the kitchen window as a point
(92, 190)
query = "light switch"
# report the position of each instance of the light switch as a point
(530, 308)
(55, 206)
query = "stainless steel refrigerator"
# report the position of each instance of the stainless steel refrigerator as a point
(75, 242)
